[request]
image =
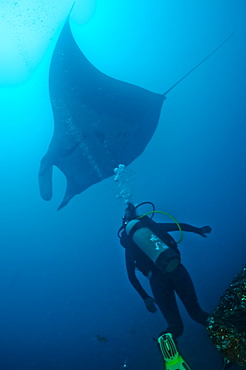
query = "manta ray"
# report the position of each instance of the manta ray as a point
(99, 122)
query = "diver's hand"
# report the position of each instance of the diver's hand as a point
(150, 304)
(205, 230)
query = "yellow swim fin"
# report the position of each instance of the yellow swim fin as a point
(172, 358)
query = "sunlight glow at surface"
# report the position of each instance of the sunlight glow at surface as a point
(27, 28)
(83, 11)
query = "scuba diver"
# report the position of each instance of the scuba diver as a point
(152, 250)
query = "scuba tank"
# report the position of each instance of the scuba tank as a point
(166, 259)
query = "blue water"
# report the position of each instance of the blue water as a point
(62, 274)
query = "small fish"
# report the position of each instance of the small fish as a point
(101, 339)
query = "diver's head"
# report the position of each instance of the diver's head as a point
(130, 213)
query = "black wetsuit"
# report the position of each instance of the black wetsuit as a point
(164, 285)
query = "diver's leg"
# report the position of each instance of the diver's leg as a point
(186, 292)
(164, 295)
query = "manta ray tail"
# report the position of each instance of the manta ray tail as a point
(198, 65)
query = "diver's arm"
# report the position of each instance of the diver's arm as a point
(186, 227)
(130, 267)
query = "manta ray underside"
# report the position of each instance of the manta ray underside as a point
(99, 121)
